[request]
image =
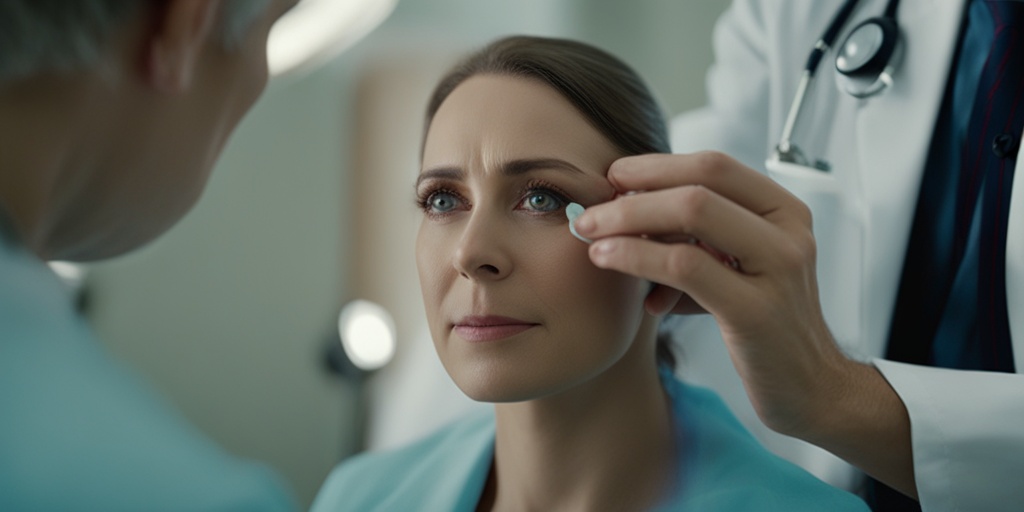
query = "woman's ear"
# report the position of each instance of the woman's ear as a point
(181, 30)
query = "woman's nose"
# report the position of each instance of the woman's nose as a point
(481, 254)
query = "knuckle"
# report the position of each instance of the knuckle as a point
(692, 206)
(803, 214)
(790, 257)
(801, 251)
(713, 162)
(681, 263)
(807, 245)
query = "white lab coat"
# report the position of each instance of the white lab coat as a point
(967, 427)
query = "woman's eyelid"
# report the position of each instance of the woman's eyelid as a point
(586, 189)
(430, 185)
(429, 189)
(539, 185)
(555, 194)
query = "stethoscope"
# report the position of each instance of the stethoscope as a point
(864, 64)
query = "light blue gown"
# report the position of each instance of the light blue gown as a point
(724, 469)
(79, 432)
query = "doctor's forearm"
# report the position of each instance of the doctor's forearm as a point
(862, 420)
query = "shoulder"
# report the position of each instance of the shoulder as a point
(77, 421)
(439, 468)
(32, 297)
(724, 468)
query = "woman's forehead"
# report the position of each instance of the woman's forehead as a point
(490, 119)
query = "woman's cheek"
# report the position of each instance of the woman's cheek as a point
(431, 265)
(567, 267)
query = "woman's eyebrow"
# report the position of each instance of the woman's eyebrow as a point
(510, 168)
(449, 173)
(522, 166)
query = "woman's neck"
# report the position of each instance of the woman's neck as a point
(604, 445)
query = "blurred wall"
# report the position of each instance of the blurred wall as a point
(311, 206)
(667, 41)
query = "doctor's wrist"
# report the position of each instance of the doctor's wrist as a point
(826, 402)
(839, 403)
(862, 420)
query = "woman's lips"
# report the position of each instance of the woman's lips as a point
(489, 328)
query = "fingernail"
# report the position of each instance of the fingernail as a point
(584, 224)
(602, 248)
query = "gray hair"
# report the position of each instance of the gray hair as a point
(66, 35)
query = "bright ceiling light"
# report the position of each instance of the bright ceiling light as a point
(314, 31)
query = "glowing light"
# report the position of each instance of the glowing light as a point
(71, 274)
(367, 334)
(315, 31)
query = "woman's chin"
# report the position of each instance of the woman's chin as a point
(491, 388)
(492, 392)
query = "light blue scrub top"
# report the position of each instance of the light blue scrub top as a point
(724, 469)
(79, 432)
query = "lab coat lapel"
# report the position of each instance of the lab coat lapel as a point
(893, 134)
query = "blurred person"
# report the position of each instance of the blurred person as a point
(588, 414)
(112, 114)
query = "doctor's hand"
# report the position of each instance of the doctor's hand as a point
(767, 307)
(752, 267)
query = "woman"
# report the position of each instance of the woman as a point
(587, 417)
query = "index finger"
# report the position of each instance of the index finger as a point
(717, 171)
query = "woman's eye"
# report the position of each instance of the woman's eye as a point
(543, 201)
(442, 202)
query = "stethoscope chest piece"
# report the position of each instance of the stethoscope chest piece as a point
(867, 57)
(865, 62)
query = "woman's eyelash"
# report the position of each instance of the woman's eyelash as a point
(423, 197)
(544, 186)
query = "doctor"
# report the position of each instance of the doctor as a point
(890, 330)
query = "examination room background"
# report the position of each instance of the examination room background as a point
(311, 206)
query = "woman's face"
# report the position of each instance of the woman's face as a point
(516, 309)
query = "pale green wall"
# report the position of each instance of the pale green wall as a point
(667, 41)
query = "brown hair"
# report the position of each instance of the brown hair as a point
(610, 95)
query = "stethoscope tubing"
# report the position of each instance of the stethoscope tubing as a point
(787, 151)
(821, 47)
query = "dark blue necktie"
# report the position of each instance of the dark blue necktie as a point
(989, 158)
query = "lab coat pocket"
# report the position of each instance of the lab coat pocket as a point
(838, 233)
